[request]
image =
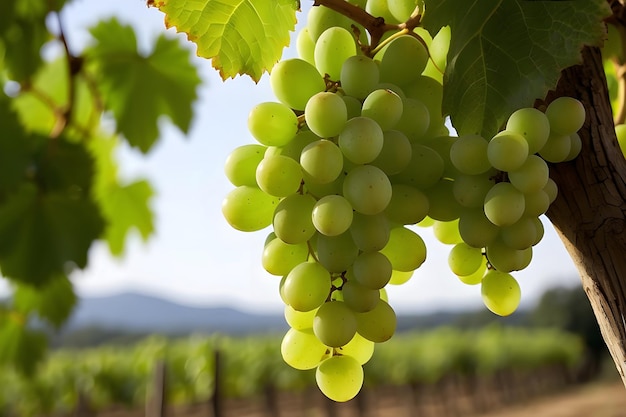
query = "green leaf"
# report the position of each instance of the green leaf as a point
(239, 36)
(53, 302)
(15, 150)
(504, 54)
(139, 88)
(20, 347)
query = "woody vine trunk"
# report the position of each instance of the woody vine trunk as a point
(590, 211)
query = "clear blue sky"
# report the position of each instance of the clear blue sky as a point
(194, 256)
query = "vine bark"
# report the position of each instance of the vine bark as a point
(590, 211)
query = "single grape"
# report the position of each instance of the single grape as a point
(248, 208)
(322, 160)
(408, 205)
(470, 190)
(307, 286)
(361, 140)
(384, 107)
(294, 81)
(332, 48)
(402, 9)
(519, 235)
(402, 60)
(395, 154)
(500, 292)
(576, 145)
(477, 276)
(507, 151)
(532, 124)
(334, 324)
(566, 115)
(302, 350)
(336, 253)
(557, 148)
(359, 76)
(279, 258)
(326, 114)
(299, 320)
(294, 148)
(469, 154)
(332, 215)
(353, 105)
(241, 163)
(370, 233)
(504, 204)
(378, 324)
(532, 176)
(505, 258)
(447, 232)
(443, 205)
(305, 46)
(340, 378)
(536, 204)
(464, 259)
(272, 124)
(475, 229)
(358, 297)
(359, 348)
(424, 170)
(292, 218)
(368, 189)
(551, 189)
(279, 175)
(415, 119)
(405, 250)
(372, 270)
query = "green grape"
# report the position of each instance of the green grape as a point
(332, 215)
(439, 50)
(302, 350)
(368, 189)
(326, 114)
(334, 324)
(395, 154)
(359, 76)
(294, 148)
(279, 257)
(507, 151)
(400, 277)
(443, 205)
(532, 176)
(519, 235)
(370, 233)
(320, 190)
(551, 189)
(299, 320)
(378, 324)
(359, 348)
(566, 115)
(475, 229)
(424, 170)
(353, 105)
(279, 175)
(576, 145)
(464, 259)
(402, 9)
(442, 145)
(340, 378)
(384, 107)
(272, 124)
(620, 133)
(415, 119)
(248, 208)
(379, 8)
(402, 60)
(427, 222)
(332, 48)
(241, 163)
(504, 204)
(557, 148)
(447, 232)
(536, 204)
(305, 46)
(532, 124)
(358, 297)
(408, 205)
(405, 250)
(539, 229)
(292, 218)
(336, 253)
(476, 277)
(361, 140)
(372, 270)
(500, 292)
(307, 286)
(470, 190)
(469, 155)
(294, 81)
(505, 258)
(430, 92)
(322, 160)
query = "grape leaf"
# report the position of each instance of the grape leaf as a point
(239, 36)
(53, 302)
(504, 54)
(20, 347)
(15, 152)
(139, 88)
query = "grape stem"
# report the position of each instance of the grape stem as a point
(376, 26)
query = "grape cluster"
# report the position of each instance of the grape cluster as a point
(350, 158)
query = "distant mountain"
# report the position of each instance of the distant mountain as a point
(135, 312)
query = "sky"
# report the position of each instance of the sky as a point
(194, 256)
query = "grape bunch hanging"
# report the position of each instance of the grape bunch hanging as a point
(351, 157)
